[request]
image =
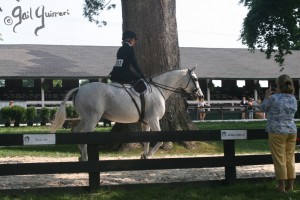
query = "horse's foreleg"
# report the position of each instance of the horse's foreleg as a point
(154, 149)
(155, 126)
(83, 152)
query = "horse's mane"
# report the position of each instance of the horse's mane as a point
(165, 72)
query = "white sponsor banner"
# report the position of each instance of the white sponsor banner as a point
(38, 139)
(233, 134)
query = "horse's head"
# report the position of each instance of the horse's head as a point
(191, 83)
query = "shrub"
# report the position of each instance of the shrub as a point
(6, 114)
(52, 113)
(44, 115)
(70, 111)
(30, 114)
(17, 114)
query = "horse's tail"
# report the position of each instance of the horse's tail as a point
(60, 115)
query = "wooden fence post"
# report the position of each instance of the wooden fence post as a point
(229, 155)
(94, 177)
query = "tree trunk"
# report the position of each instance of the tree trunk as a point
(157, 50)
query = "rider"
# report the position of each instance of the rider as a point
(126, 69)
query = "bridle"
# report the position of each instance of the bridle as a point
(194, 82)
(176, 90)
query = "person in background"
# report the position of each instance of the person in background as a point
(11, 103)
(201, 105)
(250, 108)
(244, 104)
(281, 106)
(258, 114)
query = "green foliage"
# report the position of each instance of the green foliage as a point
(30, 114)
(84, 82)
(27, 83)
(93, 8)
(17, 114)
(2, 82)
(52, 113)
(6, 113)
(272, 26)
(57, 83)
(45, 85)
(71, 112)
(13, 114)
(44, 115)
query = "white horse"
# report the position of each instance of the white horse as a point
(95, 100)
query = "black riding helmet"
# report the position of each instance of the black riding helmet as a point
(129, 34)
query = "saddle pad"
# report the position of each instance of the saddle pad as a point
(116, 84)
(129, 87)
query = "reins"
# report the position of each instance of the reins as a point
(165, 87)
(169, 88)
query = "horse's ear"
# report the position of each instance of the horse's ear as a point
(192, 69)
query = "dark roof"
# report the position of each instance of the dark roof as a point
(222, 63)
(53, 61)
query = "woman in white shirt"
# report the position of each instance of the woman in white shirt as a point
(201, 105)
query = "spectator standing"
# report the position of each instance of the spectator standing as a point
(281, 106)
(244, 104)
(201, 105)
(250, 108)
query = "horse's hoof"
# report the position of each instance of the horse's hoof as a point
(143, 156)
(81, 159)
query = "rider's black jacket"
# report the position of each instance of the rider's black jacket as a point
(126, 69)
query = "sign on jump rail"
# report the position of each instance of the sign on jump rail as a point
(39, 139)
(233, 134)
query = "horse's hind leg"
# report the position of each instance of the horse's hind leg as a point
(145, 127)
(77, 129)
(89, 126)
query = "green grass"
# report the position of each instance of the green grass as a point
(242, 146)
(190, 191)
(41, 130)
(231, 125)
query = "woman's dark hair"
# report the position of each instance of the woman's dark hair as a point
(129, 35)
(285, 84)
